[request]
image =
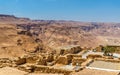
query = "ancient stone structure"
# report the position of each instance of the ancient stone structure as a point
(5, 62)
(20, 61)
(31, 59)
(45, 69)
(62, 60)
(53, 63)
(41, 61)
(77, 61)
(69, 49)
(92, 56)
(49, 58)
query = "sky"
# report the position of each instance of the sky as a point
(76, 10)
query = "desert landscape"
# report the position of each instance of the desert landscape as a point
(58, 47)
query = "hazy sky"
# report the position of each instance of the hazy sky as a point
(78, 10)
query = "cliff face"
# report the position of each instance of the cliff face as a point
(22, 35)
(86, 34)
(13, 44)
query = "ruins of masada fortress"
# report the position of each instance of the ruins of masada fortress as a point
(48, 47)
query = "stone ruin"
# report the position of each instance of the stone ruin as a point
(46, 62)
(77, 61)
(68, 49)
(43, 63)
(5, 62)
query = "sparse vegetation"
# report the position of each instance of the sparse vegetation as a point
(108, 50)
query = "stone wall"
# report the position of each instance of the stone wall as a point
(46, 69)
(5, 62)
(77, 61)
(41, 61)
(68, 50)
(50, 58)
(20, 61)
(92, 56)
(31, 59)
(62, 60)
(108, 60)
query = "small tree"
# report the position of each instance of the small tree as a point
(108, 50)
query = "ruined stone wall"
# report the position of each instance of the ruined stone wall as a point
(92, 56)
(77, 61)
(108, 60)
(69, 50)
(5, 62)
(32, 58)
(71, 56)
(46, 69)
(41, 61)
(87, 62)
(66, 59)
(62, 60)
(99, 49)
(50, 58)
(20, 61)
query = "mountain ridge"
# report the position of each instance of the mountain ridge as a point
(27, 35)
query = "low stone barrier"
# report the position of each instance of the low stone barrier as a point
(35, 68)
(93, 56)
(77, 61)
(5, 62)
(71, 56)
(62, 60)
(47, 69)
(108, 60)
(87, 62)
(20, 61)
(72, 49)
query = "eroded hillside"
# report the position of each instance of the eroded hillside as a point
(13, 44)
(60, 33)
(22, 35)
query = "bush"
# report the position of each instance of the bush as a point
(108, 50)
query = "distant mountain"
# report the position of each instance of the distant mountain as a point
(12, 19)
(22, 35)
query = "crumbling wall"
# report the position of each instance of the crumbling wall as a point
(92, 56)
(77, 61)
(66, 59)
(69, 50)
(32, 59)
(76, 49)
(87, 62)
(41, 61)
(46, 69)
(62, 60)
(71, 56)
(19, 61)
(99, 49)
(50, 58)
(5, 62)
(108, 60)
(26, 68)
